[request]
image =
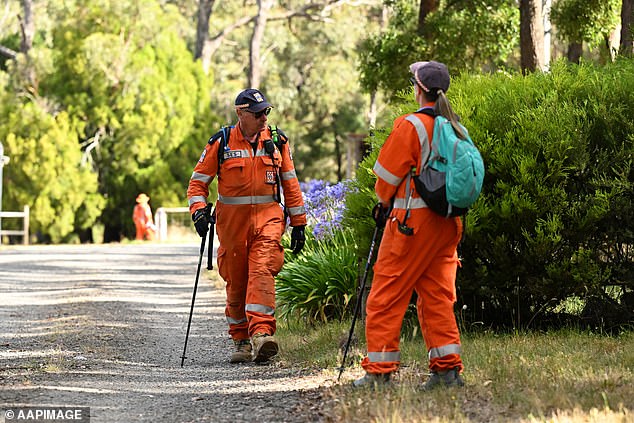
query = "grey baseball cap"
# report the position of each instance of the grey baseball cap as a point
(431, 75)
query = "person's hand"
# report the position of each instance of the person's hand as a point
(201, 221)
(380, 215)
(298, 239)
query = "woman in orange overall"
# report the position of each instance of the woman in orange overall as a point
(249, 220)
(417, 252)
(142, 217)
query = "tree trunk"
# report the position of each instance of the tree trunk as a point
(202, 27)
(575, 50)
(7, 52)
(613, 43)
(627, 23)
(531, 35)
(546, 7)
(255, 65)
(426, 7)
(211, 44)
(27, 26)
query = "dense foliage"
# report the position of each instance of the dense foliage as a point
(317, 284)
(584, 20)
(554, 221)
(63, 195)
(466, 35)
(117, 80)
(135, 109)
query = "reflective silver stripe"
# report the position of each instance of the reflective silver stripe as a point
(422, 137)
(384, 174)
(444, 350)
(294, 211)
(415, 203)
(233, 321)
(384, 356)
(259, 308)
(261, 152)
(289, 175)
(197, 199)
(248, 199)
(201, 177)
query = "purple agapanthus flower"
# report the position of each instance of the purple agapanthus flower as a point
(325, 204)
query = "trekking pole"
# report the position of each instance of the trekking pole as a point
(191, 311)
(359, 299)
(210, 250)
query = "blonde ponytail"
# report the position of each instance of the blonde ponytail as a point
(443, 107)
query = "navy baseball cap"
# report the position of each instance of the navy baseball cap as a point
(252, 100)
(431, 75)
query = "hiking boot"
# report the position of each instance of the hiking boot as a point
(242, 354)
(264, 347)
(372, 380)
(444, 378)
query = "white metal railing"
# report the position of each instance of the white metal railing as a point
(24, 232)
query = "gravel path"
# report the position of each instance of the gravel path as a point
(103, 327)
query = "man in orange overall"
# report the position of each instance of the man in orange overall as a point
(250, 220)
(142, 217)
(418, 249)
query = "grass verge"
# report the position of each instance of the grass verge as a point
(562, 376)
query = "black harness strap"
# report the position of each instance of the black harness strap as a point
(278, 138)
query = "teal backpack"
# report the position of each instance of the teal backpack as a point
(452, 174)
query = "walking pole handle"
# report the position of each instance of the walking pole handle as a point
(191, 311)
(357, 306)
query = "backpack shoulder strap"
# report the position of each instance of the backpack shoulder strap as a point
(422, 138)
(222, 137)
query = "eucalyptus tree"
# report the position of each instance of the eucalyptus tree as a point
(588, 21)
(304, 57)
(123, 72)
(466, 35)
(312, 74)
(532, 36)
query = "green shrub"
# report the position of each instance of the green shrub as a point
(317, 284)
(555, 216)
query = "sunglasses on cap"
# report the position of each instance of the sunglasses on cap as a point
(261, 113)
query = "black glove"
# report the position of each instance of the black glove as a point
(201, 220)
(298, 239)
(380, 215)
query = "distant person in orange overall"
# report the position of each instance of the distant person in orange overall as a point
(142, 217)
(418, 249)
(252, 170)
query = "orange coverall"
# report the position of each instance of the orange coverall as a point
(250, 224)
(425, 261)
(142, 217)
